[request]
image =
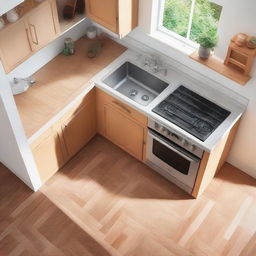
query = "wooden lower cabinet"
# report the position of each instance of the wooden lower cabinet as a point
(65, 138)
(213, 161)
(80, 127)
(121, 124)
(124, 132)
(48, 153)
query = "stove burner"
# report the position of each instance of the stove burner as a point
(133, 92)
(192, 112)
(203, 127)
(145, 97)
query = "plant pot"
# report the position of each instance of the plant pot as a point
(203, 52)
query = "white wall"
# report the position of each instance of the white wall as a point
(14, 149)
(237, 16)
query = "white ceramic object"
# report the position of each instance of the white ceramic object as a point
(2, 23)
(12, 16)
(91, 32)
(20, 85)
(204, 52)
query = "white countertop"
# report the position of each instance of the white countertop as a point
(223, 97)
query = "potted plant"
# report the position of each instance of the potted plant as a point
(207, 42)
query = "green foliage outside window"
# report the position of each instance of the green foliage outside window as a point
(205, 17)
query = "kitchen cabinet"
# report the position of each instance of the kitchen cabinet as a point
(65, 138)
(119, 16)
(34, 30)
(212, 162)
(48, 153)
(79, 125)
(121, 124)
(15, 45)
(42, 24)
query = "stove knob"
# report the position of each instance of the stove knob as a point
(185, 143)
(157, 126)
(162, 129)
(182, 141)
(192, 148)
(167, 132)
(175, 136)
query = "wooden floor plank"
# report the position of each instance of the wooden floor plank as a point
(105, 202)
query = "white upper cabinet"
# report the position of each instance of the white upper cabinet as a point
(6, 6)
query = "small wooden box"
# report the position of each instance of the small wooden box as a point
(240, 57)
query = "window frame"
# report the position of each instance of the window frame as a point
(176, 36)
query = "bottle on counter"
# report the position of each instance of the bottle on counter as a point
(69, 46)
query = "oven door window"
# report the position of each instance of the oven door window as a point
(170, 157)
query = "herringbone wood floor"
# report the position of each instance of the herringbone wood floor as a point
(104, 202)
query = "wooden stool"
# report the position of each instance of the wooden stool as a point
(240, 58)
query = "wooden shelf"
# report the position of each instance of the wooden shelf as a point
(68, 24)
(218, 66)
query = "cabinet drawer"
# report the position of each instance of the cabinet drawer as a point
(104, 98)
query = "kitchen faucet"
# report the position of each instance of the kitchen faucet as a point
(154, 64)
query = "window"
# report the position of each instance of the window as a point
(187, 19)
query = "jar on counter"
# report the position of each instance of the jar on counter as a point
(69, 46)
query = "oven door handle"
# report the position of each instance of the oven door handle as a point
(168, 145)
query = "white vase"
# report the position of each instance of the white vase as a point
(203, 52)
(12, 16)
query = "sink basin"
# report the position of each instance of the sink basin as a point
(135, 83)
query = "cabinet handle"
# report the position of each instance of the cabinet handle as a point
(121, 106)
(28, 39)
(34, 29)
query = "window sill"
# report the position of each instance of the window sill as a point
(173, 42)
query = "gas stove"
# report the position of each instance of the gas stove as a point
(192, 112)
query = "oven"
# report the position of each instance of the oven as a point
(172, 156)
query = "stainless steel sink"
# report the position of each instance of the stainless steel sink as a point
(135, 83)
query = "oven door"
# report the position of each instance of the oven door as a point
(172, 161)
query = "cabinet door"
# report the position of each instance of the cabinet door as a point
(124, 132)
(80, 127)
(14, 45)
(41, 23)
(48, 154)
(103, 12)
